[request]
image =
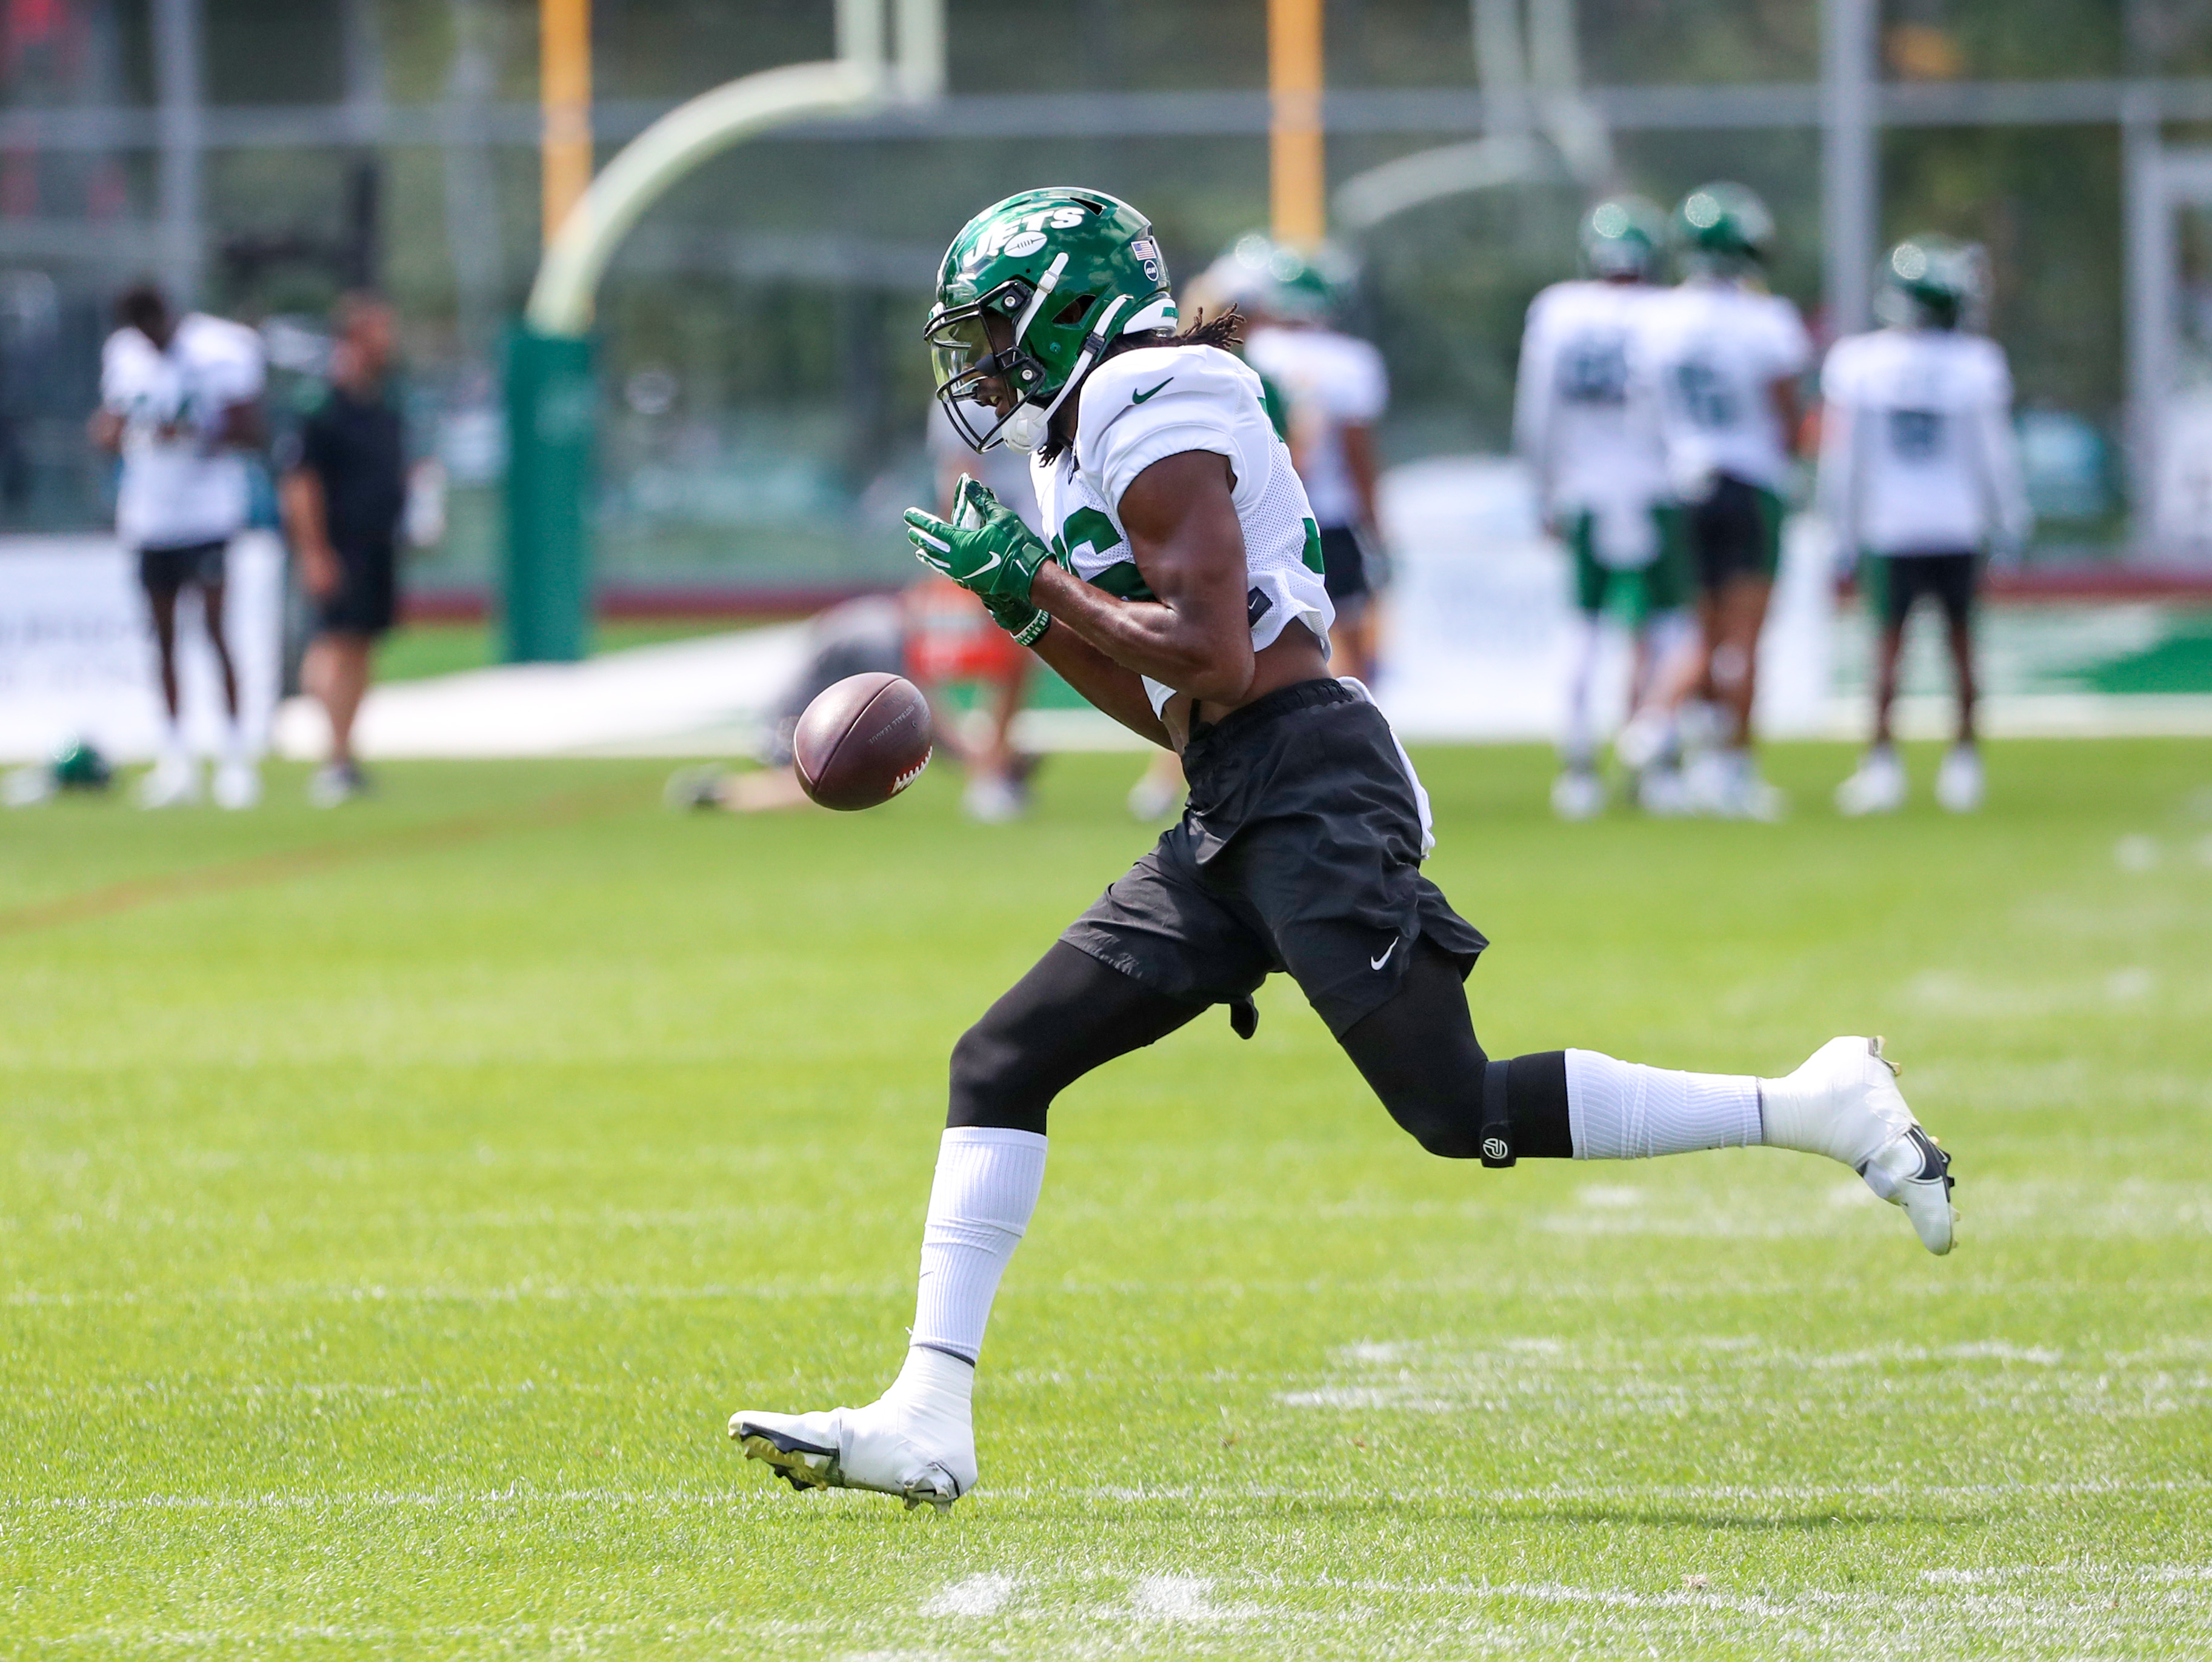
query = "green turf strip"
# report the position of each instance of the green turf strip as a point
(395, 1201)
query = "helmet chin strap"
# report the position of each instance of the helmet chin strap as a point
(1025, 429)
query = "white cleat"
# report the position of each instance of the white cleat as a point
(1878, 786)
(237, 785)
(1958, 783)
(914, 1441)
(1579, 794)
(1843, 1102)
(1726, 785)
(172, 783)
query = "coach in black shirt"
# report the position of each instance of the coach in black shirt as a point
(344, 493)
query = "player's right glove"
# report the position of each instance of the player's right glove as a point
(984, 547)
(987, 550)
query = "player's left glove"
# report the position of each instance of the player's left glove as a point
(985, 548)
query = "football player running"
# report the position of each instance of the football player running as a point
(1919, 477)
(1724, 356)
(1181, 592)
(1588, 430)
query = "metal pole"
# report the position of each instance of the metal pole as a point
(1297, 173)
(564, 69)
(2149, 301)
(179, 86)
(1851, 208)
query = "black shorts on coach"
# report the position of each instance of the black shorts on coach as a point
(367, 598)
(1299, 851)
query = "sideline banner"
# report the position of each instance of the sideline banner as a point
(76, 649)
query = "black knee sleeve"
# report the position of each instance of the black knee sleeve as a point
(1420, 1054)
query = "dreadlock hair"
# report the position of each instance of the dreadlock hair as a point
(1226, 329)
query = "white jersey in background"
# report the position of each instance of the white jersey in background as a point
(1585, 424)
(1916, 448)
(1331, 381)
(1713, 351)
(186, 488)
(1157, 402)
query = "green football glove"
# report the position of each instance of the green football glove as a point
(985, 548)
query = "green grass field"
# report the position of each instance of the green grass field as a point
(397, 1202)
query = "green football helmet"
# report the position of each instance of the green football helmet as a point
(1622, 238)
(1030, 295)
(1722, 229)
(78, 766)
(1931, 281)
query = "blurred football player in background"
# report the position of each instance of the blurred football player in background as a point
(1336, 388)
(179, 401)
(1589, 429)
(344, 494)
(1920, 477)
(1724, 356)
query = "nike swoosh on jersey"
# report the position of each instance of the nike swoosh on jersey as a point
(1378, 963)
(1139, 397)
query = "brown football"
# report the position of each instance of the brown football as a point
(862, 741)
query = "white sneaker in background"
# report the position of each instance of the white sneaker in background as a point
(1662, 793)
(237, 784)
(174, 782)
(992, 800)
(1153, 799)
(1579, 794)
(1958, 783)
(1878, 786)
(1726, 785)
(335, 782)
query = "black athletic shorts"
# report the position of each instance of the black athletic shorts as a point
(1895, 582)
(367, 598)
(1343, 565)
(1735, 531)
(1300, 851)
(164, 570)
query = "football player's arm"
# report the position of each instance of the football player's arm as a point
(1836, 492)
(1108, 686)
(306, 524)
(1183, 532)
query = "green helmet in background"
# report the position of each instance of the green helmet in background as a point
(1723, 229)
(1030, 295)
(1931, 281)
(78, 766)
(1275, 279)
(1622, 238)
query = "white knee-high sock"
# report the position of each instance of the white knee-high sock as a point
(986, 1187)
(1625, 1110)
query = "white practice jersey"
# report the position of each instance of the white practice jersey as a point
(184, 489)
(1144, 406)
(1331, 381)
(1713, 350)
(1587, 427)
(1916, 448)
